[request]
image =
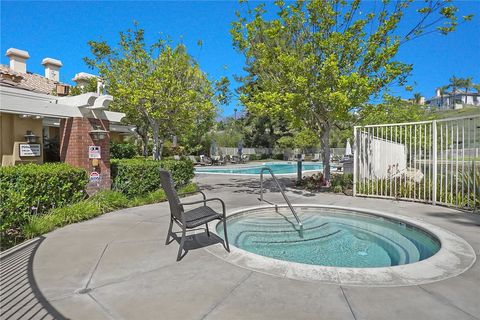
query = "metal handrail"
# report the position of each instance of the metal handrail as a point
(283, 194)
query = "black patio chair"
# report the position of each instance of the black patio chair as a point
(192, 218)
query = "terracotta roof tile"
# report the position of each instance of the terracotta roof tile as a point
(28, 81)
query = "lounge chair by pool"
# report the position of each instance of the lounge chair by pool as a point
(194, 160)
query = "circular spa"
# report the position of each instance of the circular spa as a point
(342, 245)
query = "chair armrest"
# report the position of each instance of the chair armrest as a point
(193, 192)
(205, 202)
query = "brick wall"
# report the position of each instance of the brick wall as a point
(74, 142)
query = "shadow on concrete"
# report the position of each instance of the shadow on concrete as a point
(197, 241)
(465, 218)
(20, 296)
(251, 185)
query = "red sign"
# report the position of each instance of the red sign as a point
(94, 176)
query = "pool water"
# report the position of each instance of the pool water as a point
(331, 237)
(277, 168)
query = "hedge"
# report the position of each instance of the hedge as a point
(135, 177)
(34, 188)
(122, 150)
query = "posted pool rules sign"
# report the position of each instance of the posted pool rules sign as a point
(94, 152)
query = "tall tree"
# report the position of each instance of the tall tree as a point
(417, 97)
(317, 61)
(455, 84)
(158, 85)
(467, 84)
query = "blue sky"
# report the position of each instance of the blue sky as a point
(61, 30)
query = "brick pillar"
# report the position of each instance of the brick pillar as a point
(74, 142)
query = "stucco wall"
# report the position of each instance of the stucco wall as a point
(13, 128)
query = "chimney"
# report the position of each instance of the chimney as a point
(52, 68)
(437, 92)
(82, 79)
(18, 59)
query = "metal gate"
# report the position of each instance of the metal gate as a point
(436, 162)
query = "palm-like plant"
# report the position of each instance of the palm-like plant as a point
(476, 87)
(455, 83)
(417, 97)
(443, 91)
(467, 85)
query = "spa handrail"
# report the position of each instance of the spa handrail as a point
(281, 190)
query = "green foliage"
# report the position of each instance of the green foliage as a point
(344, 181)
(102, 202)
(286, 142)
(337, 189)
(401, 189)
(122, 150)
(33, 188)
(91, 86)
(392, 110)
(316, 62)
(161, 88)
(109, 200)
(315, 182)
(135, 177)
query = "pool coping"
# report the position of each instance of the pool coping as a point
(454, 257)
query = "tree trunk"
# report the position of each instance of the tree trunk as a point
(160, 149)
(145, 146)
(144, 137)
(155, 151)
(326, 151)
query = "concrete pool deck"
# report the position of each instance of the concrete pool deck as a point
(117, 267)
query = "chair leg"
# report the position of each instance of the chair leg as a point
(225, 232)
(169, 231)
(208, 231)
(182, 242)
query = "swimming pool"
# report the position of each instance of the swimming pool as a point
(331, 237)
(277, 168)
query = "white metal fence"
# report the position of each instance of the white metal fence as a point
(436, 161)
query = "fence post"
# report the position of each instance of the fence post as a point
(434, 162)
(355, 155)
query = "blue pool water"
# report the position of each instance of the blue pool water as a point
(277, 168)
(331, 237)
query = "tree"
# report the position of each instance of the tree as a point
(454, 84)
(417, 98)
(476, 87)
(158, 85)
(467, 84)
(90, 86)
(318, 61)
(392, 110)
(443, 91)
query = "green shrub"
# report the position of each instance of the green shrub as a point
(101, 202)
(109, 200)
(134, 177)
(345, 181)
(34, 188)
(337, 189)
(122, 150)
(277, 156)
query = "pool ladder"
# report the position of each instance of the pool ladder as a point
(300, 225)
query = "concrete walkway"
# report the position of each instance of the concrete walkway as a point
(118, 267)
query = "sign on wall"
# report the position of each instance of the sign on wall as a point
(94, 152)
(30, 150)
(94, 176)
